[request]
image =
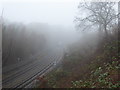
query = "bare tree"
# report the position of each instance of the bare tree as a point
(119, 19)
(19, 43)
(100, 14)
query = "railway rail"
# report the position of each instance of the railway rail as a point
(33, 70)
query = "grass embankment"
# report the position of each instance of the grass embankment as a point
(99, 70)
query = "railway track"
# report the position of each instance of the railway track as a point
(29, 80)
(24, 76)
(13, 67)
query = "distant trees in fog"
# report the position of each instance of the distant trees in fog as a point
(19, 42)
(99, 14)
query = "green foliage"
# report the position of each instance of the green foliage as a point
(100, 77)
(103, 80)
(99, 73)
(55, 76)
(81, 84)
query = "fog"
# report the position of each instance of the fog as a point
(55, 18)
(31, 27)
(40, 35)
(53, 13)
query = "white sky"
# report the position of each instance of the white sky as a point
(53, 13)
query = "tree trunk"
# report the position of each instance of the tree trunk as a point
(106, 32)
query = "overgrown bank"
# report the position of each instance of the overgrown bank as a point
(101, 69)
